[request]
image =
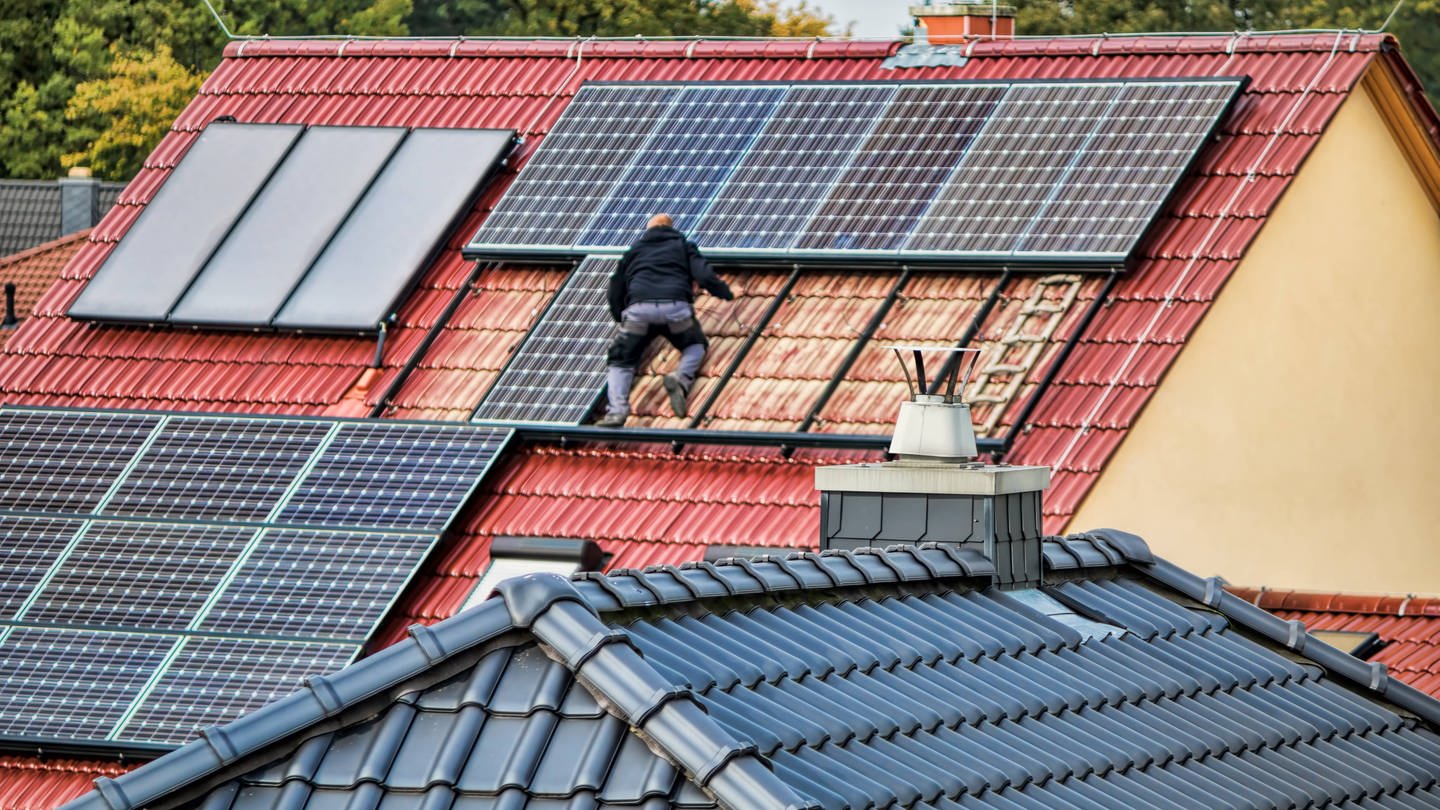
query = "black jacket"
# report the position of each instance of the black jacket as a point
(662, 266)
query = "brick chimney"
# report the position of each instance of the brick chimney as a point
(936, 491)
(959, 22)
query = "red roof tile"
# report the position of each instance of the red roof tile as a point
(1409, 626)
(33, 783)
(32, 271)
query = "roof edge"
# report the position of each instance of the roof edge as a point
(818, 48)
(1372, 677)
(1399, 606)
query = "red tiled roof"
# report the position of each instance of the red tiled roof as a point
(1409, 626)
(33, 783)
(32, 271)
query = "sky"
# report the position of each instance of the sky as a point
(872, 18)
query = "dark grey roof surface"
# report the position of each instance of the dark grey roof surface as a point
(874, 679)
(30, 212)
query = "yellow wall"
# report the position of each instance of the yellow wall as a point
(1296, 441)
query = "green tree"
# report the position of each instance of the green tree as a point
(1417, 25)
(615, 18)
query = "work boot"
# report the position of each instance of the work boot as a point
(678, 392)
(612, 420)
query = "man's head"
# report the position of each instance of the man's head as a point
(660, 221)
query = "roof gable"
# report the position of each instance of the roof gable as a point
(765, 684)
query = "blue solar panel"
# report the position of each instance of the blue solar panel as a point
(686, 159)
(317, 584)
(397, 476)
(215, 680)
(954, 172)
(145, 576)
(73, 684)
(792, 166)
(64, 462)
(32, 546)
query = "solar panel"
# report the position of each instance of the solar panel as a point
(685, 161)
(31, 548)
(955, 172)
(69, 684)
(792, 166)
(394, 229)
(558, 371)
(1126, 169)
(397, 476)
(217, 468)
(215, 680)
(293, 218)
(896, 173)
(61, 462)
(317, 584)
(598, 135)
(135, 575)
(186, 221)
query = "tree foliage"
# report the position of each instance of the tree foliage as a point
(616, 18)
(1417, 24)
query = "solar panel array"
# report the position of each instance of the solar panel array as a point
(558, 371)
(953, 172)
(280, 226)
(167, 572)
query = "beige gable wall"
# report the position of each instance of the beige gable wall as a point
(1296, 441)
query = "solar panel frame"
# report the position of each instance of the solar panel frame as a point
(892, 244)
(275, 242)
(211, 680)
(336, 584)
(185, 223)
(568, 340)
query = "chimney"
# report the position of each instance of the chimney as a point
(936, 491)
(953, 23)
(79, 201)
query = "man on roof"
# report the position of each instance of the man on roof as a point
(652, 293)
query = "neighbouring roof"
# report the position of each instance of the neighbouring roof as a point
(34, 270)
(898, 678)
(43, 783)
(30, 211)
(1409, 626)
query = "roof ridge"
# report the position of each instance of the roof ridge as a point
(1362, 604)
(44, 247)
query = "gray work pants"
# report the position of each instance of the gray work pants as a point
(639, 324)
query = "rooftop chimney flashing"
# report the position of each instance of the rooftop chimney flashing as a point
(932, 478)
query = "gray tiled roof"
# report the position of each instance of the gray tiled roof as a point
(30, 212)
(875, 679)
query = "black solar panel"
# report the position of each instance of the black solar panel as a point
(396, 476)
(684, 163)
(211, 532)
(293, 218)
(559, 370)
(65, 462)
(597, 137)
(959, 172)
(375, 256)
(31, 547)
(792, 166)
(217, 468)
(215, 680)
(901, 166)
(186, 221)
(73, 684)
(317, 584)
(138, 575)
